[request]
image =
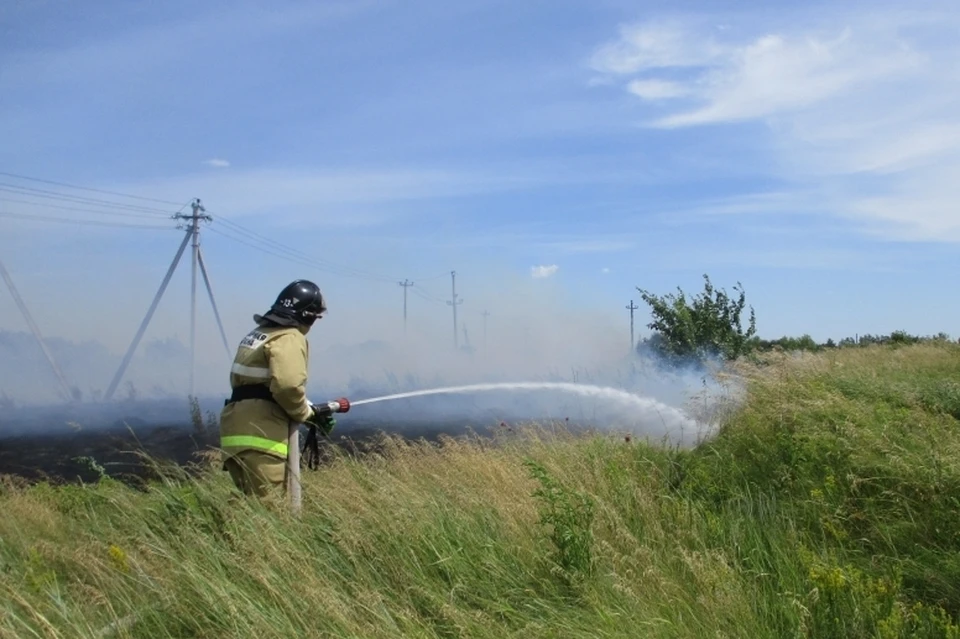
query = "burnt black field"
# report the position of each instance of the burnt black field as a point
(74, 442)
(81, 443)
(125, 454)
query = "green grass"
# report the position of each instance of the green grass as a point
(827, 506)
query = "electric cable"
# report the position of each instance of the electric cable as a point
(333, 267)
(291, 258)
(282, 255)
(87, 188)
(74, 199)
(81, 210)
(425, 296)
(45, 218)
(248, 237)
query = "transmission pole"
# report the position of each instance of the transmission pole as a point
(632, 307)
(199, 213)
(454, 302)
(485, 315)
(36, 332)
(405, 284)
(192, 233)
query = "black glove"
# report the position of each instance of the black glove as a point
(324, 423)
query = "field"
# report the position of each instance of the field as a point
(828, 505)
(132, 454)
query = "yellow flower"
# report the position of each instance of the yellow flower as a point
(119, 558)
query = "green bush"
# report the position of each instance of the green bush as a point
(568, 516)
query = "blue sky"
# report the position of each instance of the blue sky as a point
(556, 154)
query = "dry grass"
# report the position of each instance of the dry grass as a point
(826, 506)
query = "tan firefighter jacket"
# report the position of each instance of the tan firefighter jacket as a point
(276, 357)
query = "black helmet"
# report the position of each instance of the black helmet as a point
(300, 302)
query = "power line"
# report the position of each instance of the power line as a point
(260, 248)
(228, 229)
(59, 207)
(321, 264)
(340, 269)
(432, 277)
(329, 266)
(75, 199)
(87, 188)
(237, 229)
(62, 201)
(284, 256)
(290, 257)
(63, 220)
(419, 292)
(333, 267)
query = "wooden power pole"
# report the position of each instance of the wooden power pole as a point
(192, 233)
(405, 284)
(36, 332)
(454, 302)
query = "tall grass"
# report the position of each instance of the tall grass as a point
(825, 507)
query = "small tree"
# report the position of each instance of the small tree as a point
(710, 325)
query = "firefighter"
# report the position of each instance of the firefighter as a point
(269, 378)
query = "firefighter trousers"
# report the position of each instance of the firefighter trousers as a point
(256, 473)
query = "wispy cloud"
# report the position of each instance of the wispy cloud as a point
(217, 163)
(542, 272)
(658, 44)
(657, 89)
(862, 111)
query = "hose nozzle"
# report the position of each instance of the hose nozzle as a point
(341, 405)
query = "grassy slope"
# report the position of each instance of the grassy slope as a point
(826, 507)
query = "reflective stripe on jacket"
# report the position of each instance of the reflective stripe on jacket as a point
(277, 357)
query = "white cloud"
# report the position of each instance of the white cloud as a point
(862, 112)
(217, 163)
(656, 89)
(769, 74)
(653, 45)
(605, 270)
(541, 272)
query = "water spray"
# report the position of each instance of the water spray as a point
(343, 405)
(646, 404)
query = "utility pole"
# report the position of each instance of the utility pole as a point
(199, 213)
(632, 307)
(485, 314)
(454, 302)
(36, 332)
(405, 284)
(192, 233)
